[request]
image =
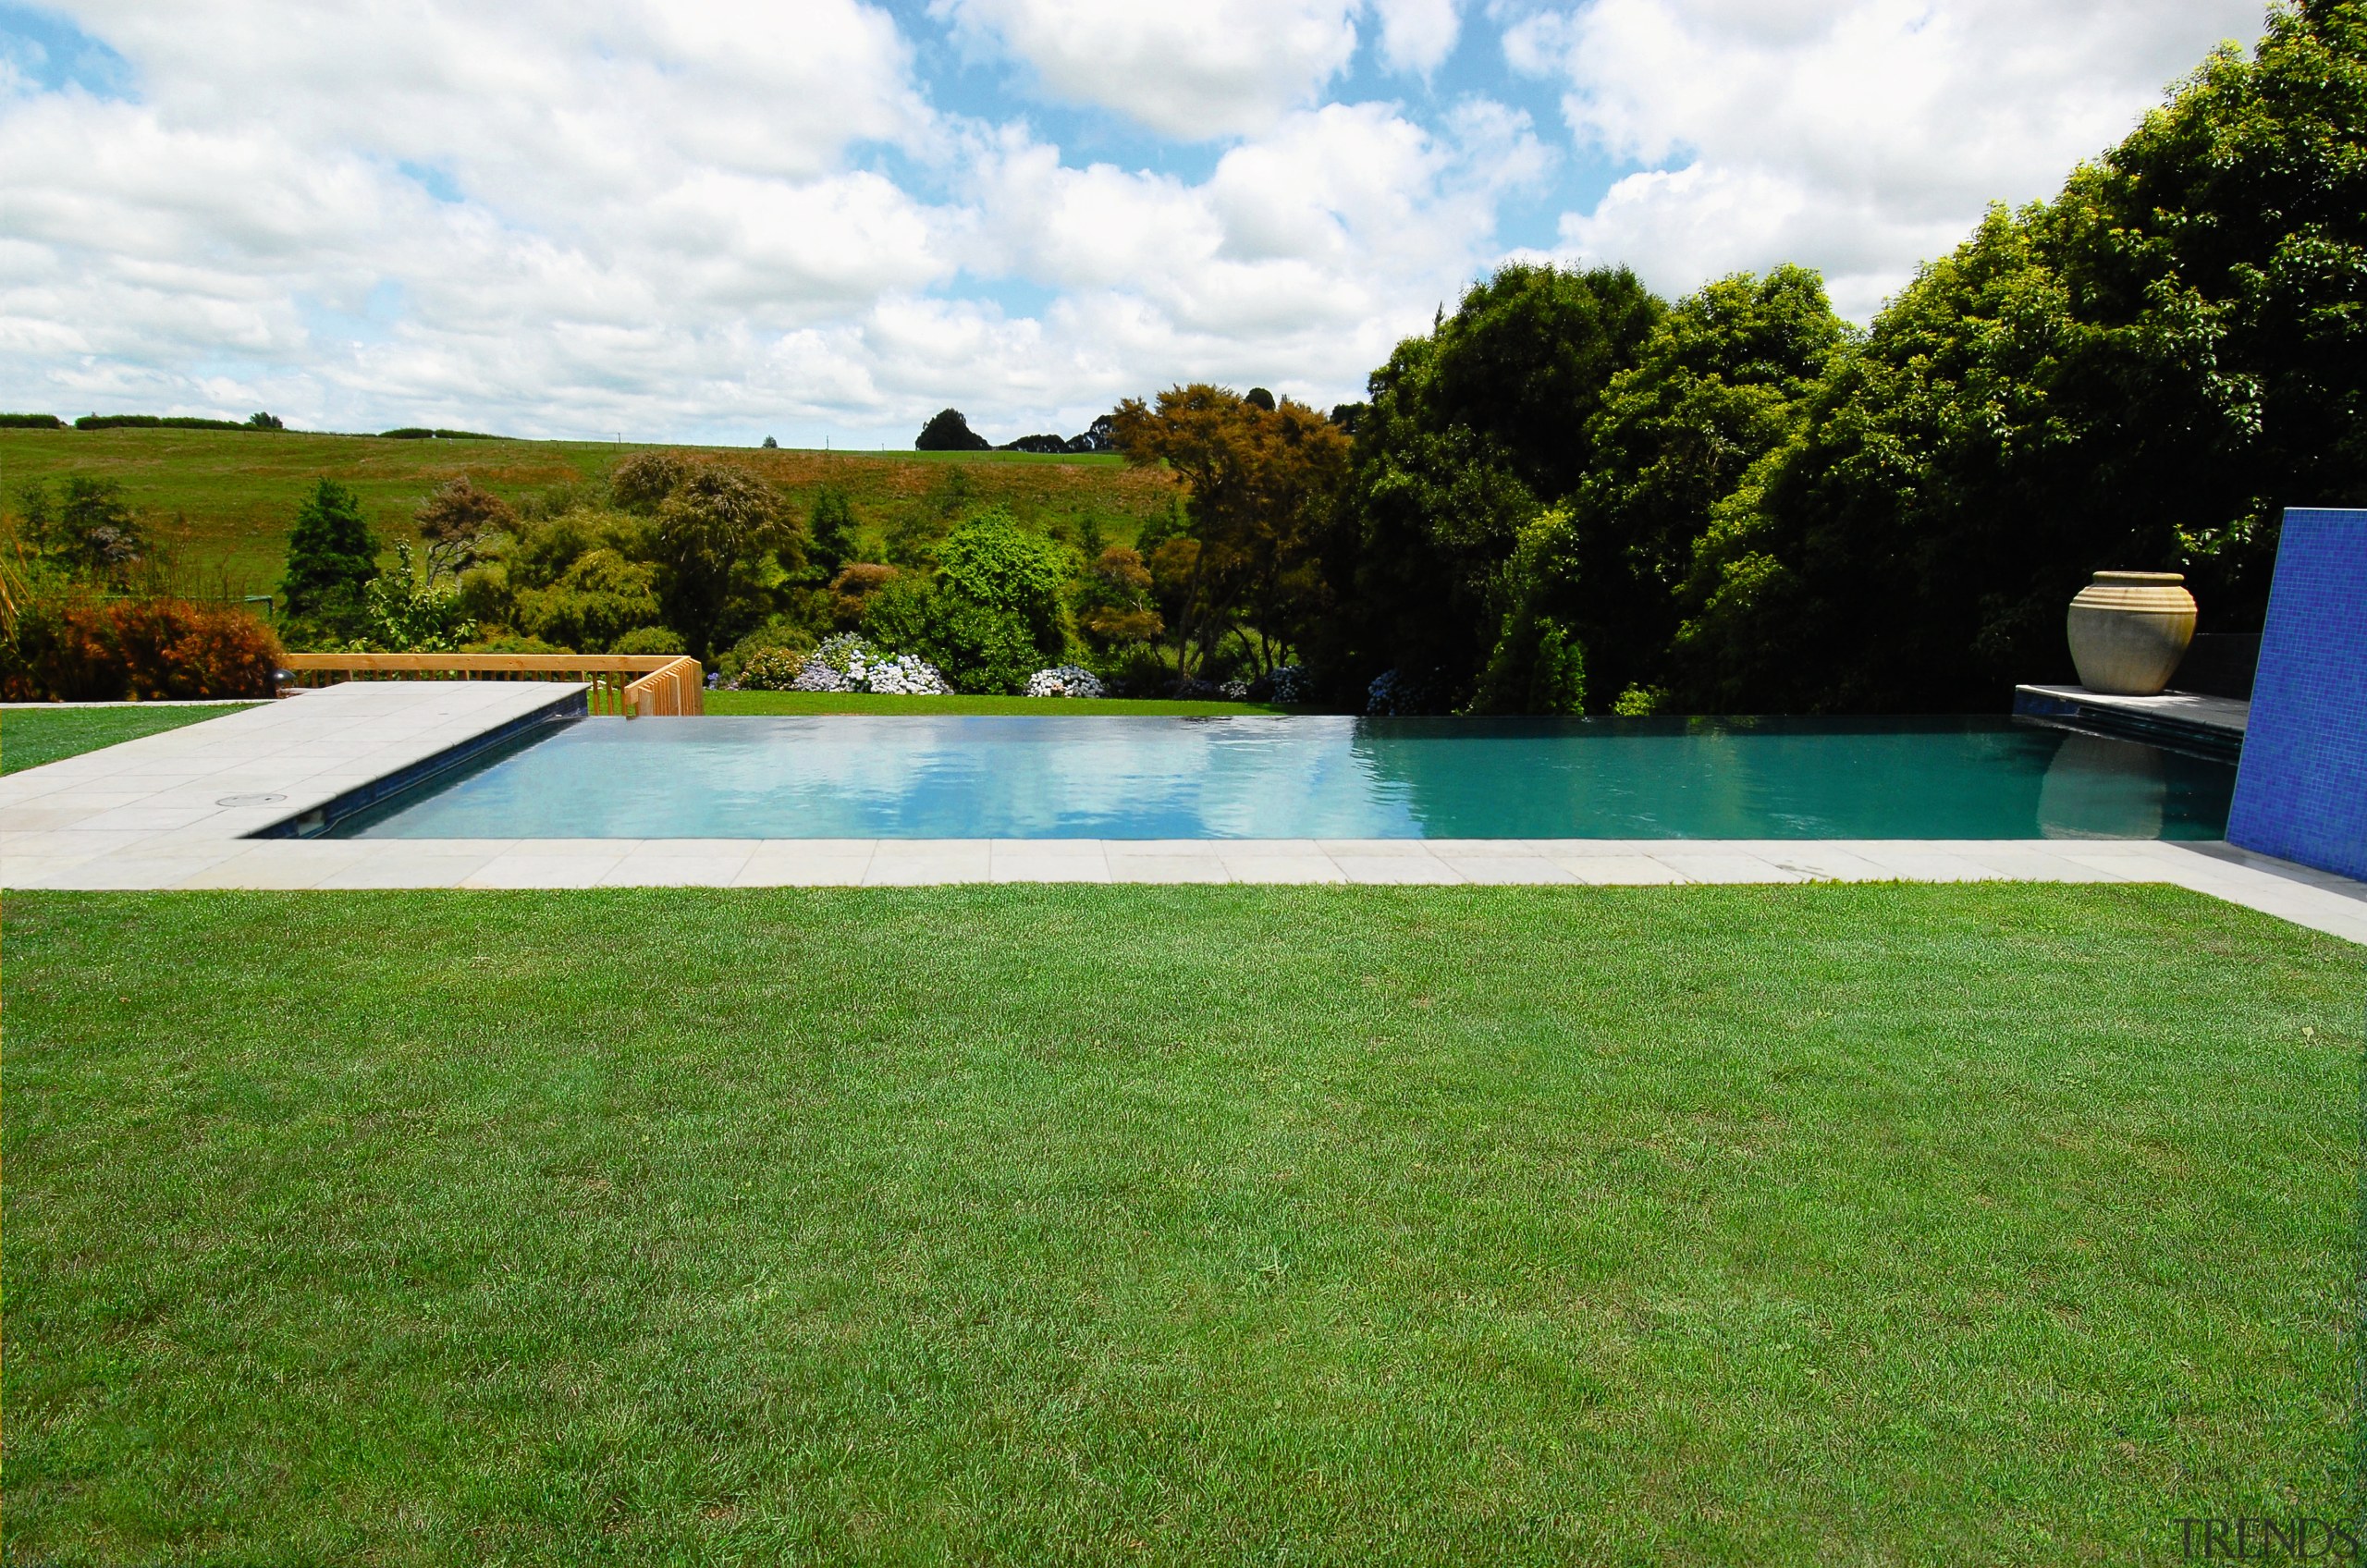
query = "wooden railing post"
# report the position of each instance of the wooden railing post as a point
(631, 684)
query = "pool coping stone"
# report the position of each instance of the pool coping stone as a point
(146, 813)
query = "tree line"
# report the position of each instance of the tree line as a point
(1571, 496)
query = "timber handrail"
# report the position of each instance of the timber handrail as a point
(636, 685)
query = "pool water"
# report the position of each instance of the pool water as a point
(1313, 777)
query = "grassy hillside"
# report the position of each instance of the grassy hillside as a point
(226, 498)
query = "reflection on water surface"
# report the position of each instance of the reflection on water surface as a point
(1316, 778)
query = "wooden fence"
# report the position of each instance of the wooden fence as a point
(636, 685)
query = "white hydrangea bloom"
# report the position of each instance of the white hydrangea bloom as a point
(1065, 680)
(847, 663)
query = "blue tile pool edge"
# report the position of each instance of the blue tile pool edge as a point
(313, 821)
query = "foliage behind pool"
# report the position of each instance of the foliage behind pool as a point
(1314, 778)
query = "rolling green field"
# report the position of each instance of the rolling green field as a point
(1890, 1225)
(226, 499)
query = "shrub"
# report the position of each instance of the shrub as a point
(404, 613)
(511, 642)
(1136, 670)
(774, 635)
(847, 663)
(1291, 685)
(1394, 692)
(772, 669)
(30, 421)
(852, 588)
(991, 617)
(1066, 681)
(83, 650)
(644, 480)
(648, 639)
(596, 600)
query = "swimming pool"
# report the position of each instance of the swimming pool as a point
(1312, 778)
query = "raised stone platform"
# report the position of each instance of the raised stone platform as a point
(148, 812)
(2186, 720)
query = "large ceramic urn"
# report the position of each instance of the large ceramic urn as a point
(2129, 629)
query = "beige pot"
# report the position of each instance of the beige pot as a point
(2129, 629)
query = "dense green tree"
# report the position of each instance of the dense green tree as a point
(720, 546)
(406, 610)
(1539, 664)
(1260, 485)
(95, 534)
(990, 616)
(831, 537)
(947, 431)
(2142, 372)
(1112, 601)
(455, 525)
(1721, 381)
(1467, 434)
(600, 597)
(332, 556)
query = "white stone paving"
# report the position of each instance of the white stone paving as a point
(146, 814)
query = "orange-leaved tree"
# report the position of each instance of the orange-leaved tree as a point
(1259, 483)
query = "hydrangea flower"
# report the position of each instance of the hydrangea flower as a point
(1065, 680)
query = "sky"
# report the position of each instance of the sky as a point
(824, 220)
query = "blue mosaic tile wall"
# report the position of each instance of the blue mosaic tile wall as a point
(2301, 787)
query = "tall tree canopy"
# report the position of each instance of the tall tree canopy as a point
(2142, 372)
(1469, 432)
(1260, 485)
(331, 555)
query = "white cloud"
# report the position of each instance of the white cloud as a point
(1417, 35)
(1217, 68)
(1221, 67)
(1859, 138)
(1297, 262)
(563, 221)
(722, 219)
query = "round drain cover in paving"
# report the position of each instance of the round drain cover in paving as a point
(250, 800)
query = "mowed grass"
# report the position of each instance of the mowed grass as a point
(225, 500)
(30, 737)
(869, 703)
(1865, 1224)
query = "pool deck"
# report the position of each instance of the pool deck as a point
(166, 812)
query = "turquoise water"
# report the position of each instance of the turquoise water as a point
(1314, 778)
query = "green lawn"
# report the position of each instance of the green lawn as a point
(864, 701)
(30, 737)
(1863, 1224)
(226, 499)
